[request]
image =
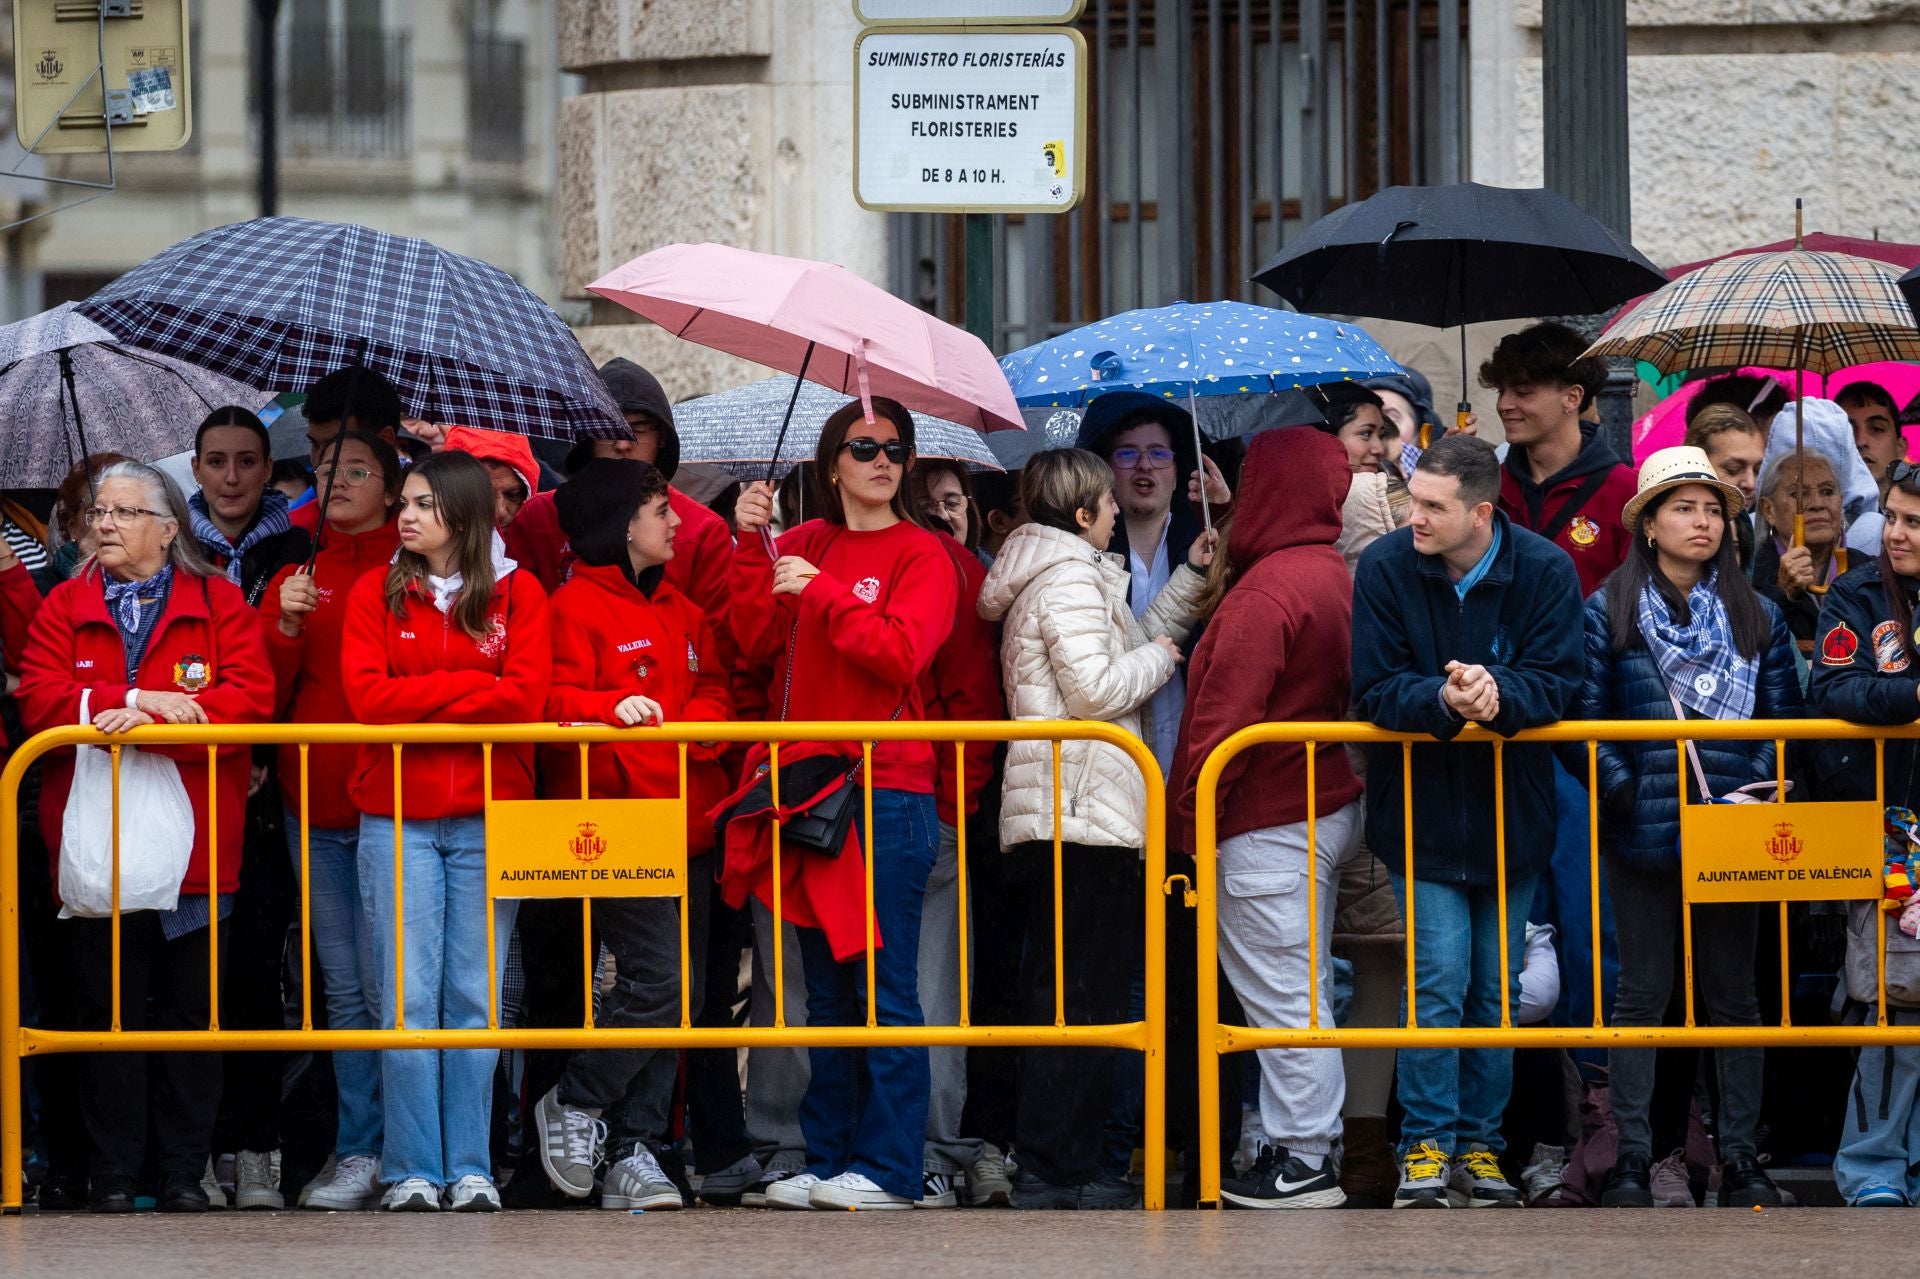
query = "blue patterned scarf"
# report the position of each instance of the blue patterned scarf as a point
(136, 608)
(1699, 661)
(272, 520)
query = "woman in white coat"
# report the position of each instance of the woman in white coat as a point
(1072, 649)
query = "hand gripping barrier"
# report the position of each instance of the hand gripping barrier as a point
(1748, 852)
(1147, 1036)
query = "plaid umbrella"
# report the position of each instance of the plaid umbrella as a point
(738, 429)
(281, 302)
(123, 400)
(1799, 309)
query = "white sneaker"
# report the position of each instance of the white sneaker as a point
(852, 1190)
(415, 1194)
(319, 1179)
(254, 1181)
(792, 1192)
(1544, 1174)
(473, 1193)
(352, 1185)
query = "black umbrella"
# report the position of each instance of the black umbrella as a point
(1456, 255)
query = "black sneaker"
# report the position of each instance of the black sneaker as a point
(183, 1194)
(1630, 1185)
(1029, 1193)
(1745, 1184)
(1109, 1193)
(111, 1194)
(1281, 1180)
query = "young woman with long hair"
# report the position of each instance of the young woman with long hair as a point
(450, 634)
(850, 613)
(304, 612)
(1677, 631)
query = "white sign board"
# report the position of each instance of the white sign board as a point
(970, 121)
(959, 12)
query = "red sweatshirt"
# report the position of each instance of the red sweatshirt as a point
(702, 550)
(75, 646)
(419, 667)
(964, 683)
(610, 642)
(19, 601)
(306, 671)
(869, 626)
(1279, 645)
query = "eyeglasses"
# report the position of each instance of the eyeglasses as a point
(351, 477)
(865, 450)
(119, 514)
(952, 505)
(1132, 459)
(1902, 471)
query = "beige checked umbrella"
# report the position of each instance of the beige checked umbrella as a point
(1798, 309)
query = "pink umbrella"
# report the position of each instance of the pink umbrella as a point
(1665, 425)
(818, 321)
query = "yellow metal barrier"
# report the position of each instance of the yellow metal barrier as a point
(1216, 1038)
(1147, 1036)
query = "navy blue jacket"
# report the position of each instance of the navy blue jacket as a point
(1408, 624)
(1862, 673)
(1640, 816)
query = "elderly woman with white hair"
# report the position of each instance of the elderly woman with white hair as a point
(149, 632)
(1800, 488)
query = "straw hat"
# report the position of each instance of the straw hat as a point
(1671, 469)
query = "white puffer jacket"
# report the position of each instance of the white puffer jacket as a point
(1072, 649)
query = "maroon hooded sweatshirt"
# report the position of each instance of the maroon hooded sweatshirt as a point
(1278, 647)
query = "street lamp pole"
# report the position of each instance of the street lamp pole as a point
(267, 102)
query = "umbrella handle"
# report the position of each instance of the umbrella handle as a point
(1839, 552)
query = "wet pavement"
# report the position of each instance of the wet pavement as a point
(925, 1245)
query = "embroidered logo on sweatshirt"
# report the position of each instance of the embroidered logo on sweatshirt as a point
(496, 641)
(632, 646)
(868, 589)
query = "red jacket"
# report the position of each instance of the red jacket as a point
(869, 626)
(75, 646)
(306, 672)
(1278, 647)
(964, 683)
(1593, 535)
(306, 516)
(421, 668)
(703, 549)
(19, 601)
(610, 642)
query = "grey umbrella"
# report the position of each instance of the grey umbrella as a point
(69, 387)
(738, 429)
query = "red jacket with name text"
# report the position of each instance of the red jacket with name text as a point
(611, 642)
(420, 667)
(206, 641)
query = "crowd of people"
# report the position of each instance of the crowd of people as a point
(416, 573)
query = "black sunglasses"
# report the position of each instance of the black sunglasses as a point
(1900, 472)
(865, 450)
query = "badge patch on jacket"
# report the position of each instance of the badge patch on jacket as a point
(868, 589)
(1583, 531)
(496, 641)
(1889, 650)
(1839, 646)
(1503, 646)
(693, 659)
(192, 673)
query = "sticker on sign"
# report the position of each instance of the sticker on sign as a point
(951, 12)
(970, 121)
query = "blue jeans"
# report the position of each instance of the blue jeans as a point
(1454, 1097)
(344, 950)
(1880, 1140)
(865, 1110)
(438, 1103)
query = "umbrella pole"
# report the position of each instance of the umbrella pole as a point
(1199, 460)
(79, 423)
(339, 442)
(780, 441)
(1462, 410)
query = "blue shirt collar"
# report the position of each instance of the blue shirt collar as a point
(1479, 571)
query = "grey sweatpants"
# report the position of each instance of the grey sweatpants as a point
(1264, 947)
(947, 1151)
(776, 1077)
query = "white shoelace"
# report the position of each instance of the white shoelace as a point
(350, 1168)
(584, 1135)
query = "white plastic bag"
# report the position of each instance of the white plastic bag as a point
(156, 832)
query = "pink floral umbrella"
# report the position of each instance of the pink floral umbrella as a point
(1665, 425)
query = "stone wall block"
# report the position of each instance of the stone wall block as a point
(658, 30)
